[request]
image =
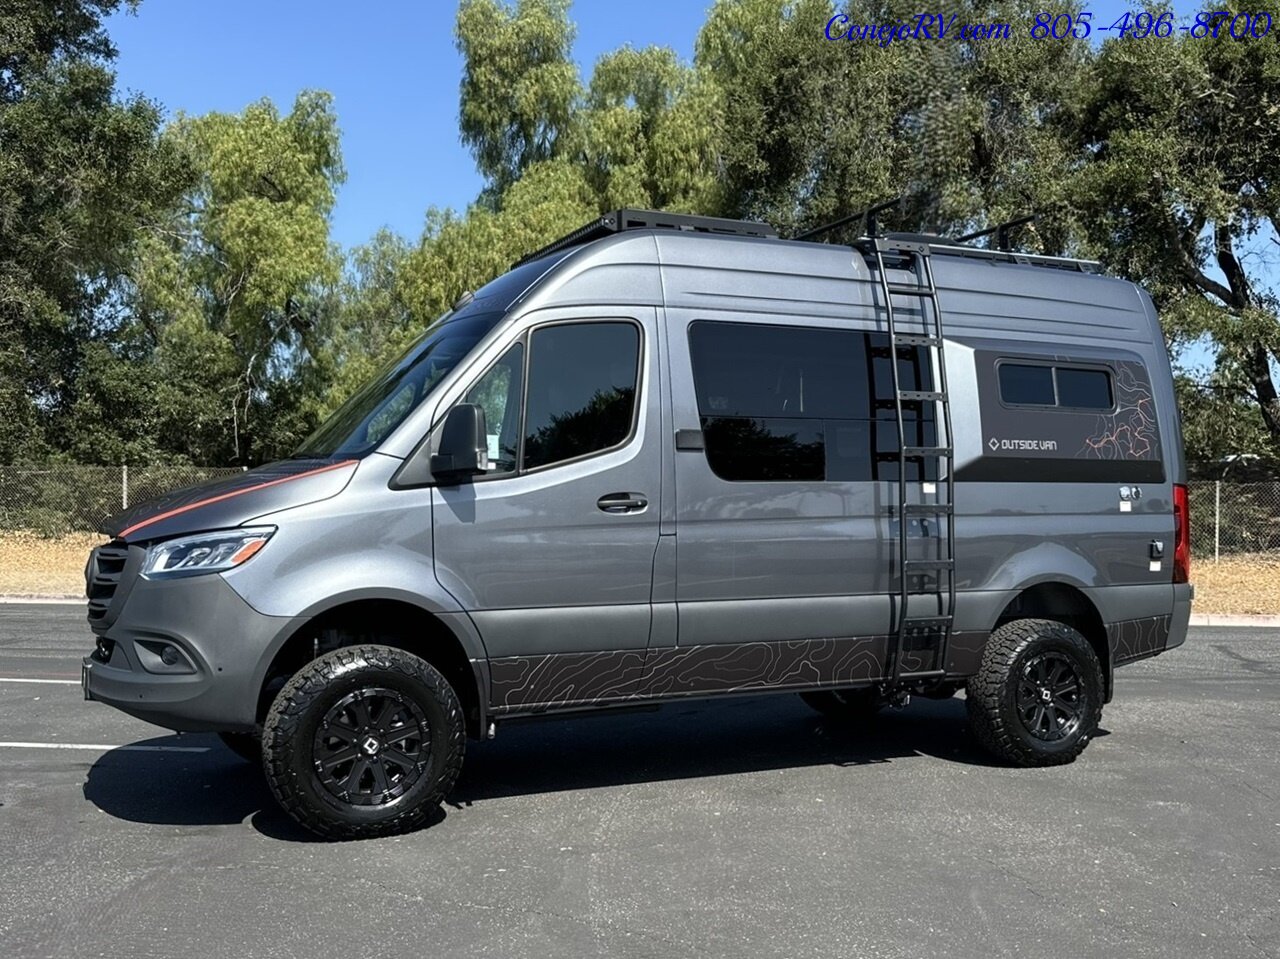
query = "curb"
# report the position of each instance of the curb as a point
(33, 599)
(1232, 619)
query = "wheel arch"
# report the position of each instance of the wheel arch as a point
(448, 641)
(1065, 603)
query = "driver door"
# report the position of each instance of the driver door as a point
(551, 551)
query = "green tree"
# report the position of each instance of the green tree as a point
(235, 283)
(370, 322)
(519, 84)
(975, 130)
(1181, 191)
(80, 172)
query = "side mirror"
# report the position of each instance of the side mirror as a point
(464, 445)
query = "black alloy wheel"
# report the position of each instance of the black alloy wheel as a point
(1048, 697)
(372, 746)
(1036, 699)
(363, 741)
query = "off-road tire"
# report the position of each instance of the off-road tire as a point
(846, 705)
(248, 746)
(295, 719)
(993, 696)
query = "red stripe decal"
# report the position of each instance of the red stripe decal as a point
(219, 499)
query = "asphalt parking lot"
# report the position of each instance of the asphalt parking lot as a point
(745, 827)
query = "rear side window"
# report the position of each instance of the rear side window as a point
(1083, 389)
(582, 390)
(1025, 384)
(784, 403)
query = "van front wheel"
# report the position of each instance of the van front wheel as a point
(1036, 700)
(364, 741)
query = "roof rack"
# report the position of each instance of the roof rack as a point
(1001, 232)
(620, 221)
(868, 220)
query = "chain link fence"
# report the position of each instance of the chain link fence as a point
(1228, 518)
(64, 498)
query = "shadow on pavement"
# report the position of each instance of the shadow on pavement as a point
(213, 788)
(704, 738)
(678, 741)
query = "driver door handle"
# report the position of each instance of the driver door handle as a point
(622, 502)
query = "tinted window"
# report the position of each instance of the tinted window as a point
(786, 403)
(787, 371)
(1026, 385)
(582, 390)
(1084, 389)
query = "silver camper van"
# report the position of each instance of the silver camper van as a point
(669, 457)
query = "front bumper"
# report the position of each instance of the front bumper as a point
(186, 654)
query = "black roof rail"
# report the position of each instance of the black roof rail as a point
(944, 246)
(620, 221)
(1001, 231)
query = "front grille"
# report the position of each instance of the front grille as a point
(106, 565)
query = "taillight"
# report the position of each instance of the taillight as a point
(1181, 536)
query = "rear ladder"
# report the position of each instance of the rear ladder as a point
(920, 579)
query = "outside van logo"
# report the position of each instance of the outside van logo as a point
(1045, 445)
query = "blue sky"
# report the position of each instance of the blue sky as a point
(391, 66)
(394, 73)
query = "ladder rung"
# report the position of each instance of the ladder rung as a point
(930, 564)
(925, 622)
(910, 451)
(910, 508)
(922, 395)
(908, 289)
(916, 339)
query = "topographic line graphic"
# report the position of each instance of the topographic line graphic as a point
(1130, 433)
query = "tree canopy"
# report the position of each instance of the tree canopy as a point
(170, 290)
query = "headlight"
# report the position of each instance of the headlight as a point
(204, 552)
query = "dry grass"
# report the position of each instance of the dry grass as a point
(33, 566)
(1237, 584)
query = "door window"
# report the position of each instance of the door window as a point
(570, 393)
(582, 390)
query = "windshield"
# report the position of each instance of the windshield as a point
(365, 420)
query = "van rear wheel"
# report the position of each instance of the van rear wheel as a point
(364, 741)
(847, 705)
(1036, 699)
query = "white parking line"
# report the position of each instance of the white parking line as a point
(52, 682)
(107, 747)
